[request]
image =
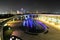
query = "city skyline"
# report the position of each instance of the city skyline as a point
(41, 5)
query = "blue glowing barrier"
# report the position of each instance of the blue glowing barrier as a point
(34, 26)
(42, 25)
(28, 22)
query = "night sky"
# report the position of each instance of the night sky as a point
(41, 5)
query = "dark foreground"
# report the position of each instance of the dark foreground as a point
(51, 35)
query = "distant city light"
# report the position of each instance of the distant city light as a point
(22, 9)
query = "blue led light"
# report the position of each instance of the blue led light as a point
(28, 22)
(24, 23)
(43, 25)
